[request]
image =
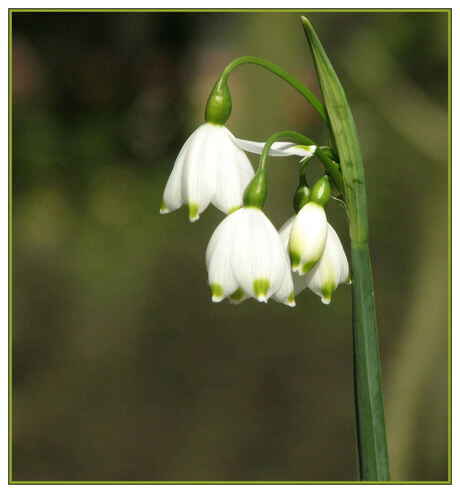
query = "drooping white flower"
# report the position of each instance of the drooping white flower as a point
(330, 271)
(212, 168)
(209, 168)
(245, 258)
(308, 237)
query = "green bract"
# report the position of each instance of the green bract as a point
(372, 448)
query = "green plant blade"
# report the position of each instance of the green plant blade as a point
(372, 444)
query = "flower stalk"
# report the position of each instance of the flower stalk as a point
(322, 154)
(280, 72)
(372, 444)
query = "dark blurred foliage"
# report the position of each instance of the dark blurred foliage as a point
(123, 369)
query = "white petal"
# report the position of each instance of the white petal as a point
(338, 254)
(257, 259)
(220, 276)
(172, 196)
(234, 171)
(227, 225)
(277, 149)
(308, 237)
(331, 270)
(289, 149)
(285, 293)
(199, 174)
(299, 282)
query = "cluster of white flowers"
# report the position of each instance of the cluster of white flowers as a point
(246, 256)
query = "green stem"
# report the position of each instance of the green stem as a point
(283, 74)
(372, 444)
(322, 154)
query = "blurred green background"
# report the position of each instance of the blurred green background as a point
(123, 369)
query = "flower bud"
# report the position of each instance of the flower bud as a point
(321, 191)
(301, 197)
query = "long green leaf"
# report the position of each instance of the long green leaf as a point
(372, 444)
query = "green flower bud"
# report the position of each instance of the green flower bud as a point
(303, 192)
(301, 197)
(321, 191)
(256, 192)
(219, 105)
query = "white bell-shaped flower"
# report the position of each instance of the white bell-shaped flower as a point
(330, 271)
(209, 168)
(308, 237)
(245, 258)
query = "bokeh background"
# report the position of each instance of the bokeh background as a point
(123, 369)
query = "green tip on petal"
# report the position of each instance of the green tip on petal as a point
(163, 208)
(290, 301)
(307, 266)
(326, 291)
(295, 260)
(260, 287)
(311, 149)
(233, 209)
(193, 212)
(217, 292)
(237, 295)
(348, 281)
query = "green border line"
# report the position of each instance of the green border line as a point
(231, 482)
(10, 248)
(449, 244)
(229, 10)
